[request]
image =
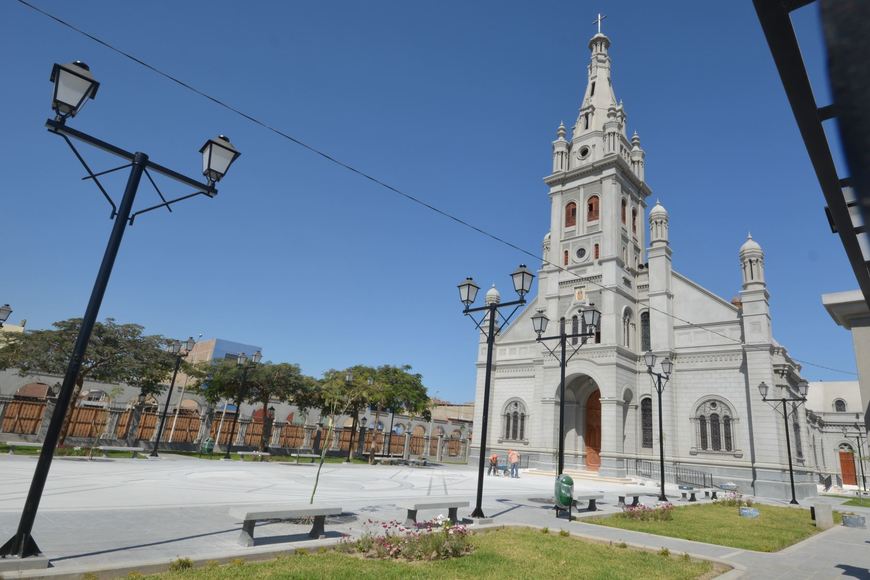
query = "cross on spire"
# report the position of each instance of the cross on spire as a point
(598, 21)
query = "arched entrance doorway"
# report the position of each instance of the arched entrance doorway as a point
(592, 436)
(847, 465)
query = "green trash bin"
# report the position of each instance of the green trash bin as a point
(564, 494)
(207, 446)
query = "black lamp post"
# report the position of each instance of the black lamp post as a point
(5, 311)
(243, 364)
(659, 382)
(802, 386)
(591, 318)
(522, 280)
(857, 435)
(180, 350)
(74, 85)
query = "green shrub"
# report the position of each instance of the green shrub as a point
(433, 540)
(621, 545)
(545, 530)
(734, 499)
(664, 552)
(564, 533)
(180, 565)
(86, 576)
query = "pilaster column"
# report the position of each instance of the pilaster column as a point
(277, 429)
(47, 411)
(3, 403)
(243, 429)
(426, 443)
(440, 448)
(112, 423)
(306, 439)
(406, 453)
(611, 438)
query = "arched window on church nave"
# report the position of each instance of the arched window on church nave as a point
(840, 406)
(714, 431)
(571, 215)
(645, 343)
(634, 221)
(592, 209)
(514, 421)
(646, 423)
(623, 211)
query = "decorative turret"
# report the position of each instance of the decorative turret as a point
(752, 263)
(493, 296)
(658, 225)
(637, 156)
(560, 150)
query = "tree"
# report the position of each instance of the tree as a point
(397, 389)
(278, 382)
(116, 353)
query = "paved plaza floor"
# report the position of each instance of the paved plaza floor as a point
(117, 514)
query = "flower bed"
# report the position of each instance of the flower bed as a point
(436, 539)
(733, 499)
(662, 512)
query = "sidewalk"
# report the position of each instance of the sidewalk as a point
(139, 516)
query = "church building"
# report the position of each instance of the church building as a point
(600, 251)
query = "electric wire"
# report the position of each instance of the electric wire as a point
(375, 180)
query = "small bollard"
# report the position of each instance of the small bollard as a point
(824, 515)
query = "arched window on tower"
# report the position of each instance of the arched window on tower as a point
(575, 329)
(565, 258)
(839, 406)
(645, 343)
(634, 221)
(592, 208)
(796, 427)
(624, 206)
(597, 251)
(626, 328)
(515, 421)
(571, 215)
(646, 423)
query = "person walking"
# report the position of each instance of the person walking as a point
(493, 464)
(514, 459)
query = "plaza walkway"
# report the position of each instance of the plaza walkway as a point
(129, 514)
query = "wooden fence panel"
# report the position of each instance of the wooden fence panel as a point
(88, 422)
(254, 434)
(123, 424)
(344, 439)
(433, 447)
(22, 417)
(147, 426)
(186, 428)
(417, 445)
(397, 444)
(454, 447)
(225, 429)
(292, 437)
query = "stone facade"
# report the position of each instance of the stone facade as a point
(599, 251)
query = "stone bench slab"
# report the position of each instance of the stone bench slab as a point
(24, 444)
(251, 515)
(413, 506)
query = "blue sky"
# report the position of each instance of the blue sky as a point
(454, 102)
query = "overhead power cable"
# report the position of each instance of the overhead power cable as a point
(373, 179)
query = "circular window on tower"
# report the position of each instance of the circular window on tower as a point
(581, 253)
(584, 152)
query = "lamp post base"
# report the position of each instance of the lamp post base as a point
(20, 548)
(477, 513)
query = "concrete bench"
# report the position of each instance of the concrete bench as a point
(635, 494)
(106, 448)
(262, 455)
(431, 503)
(592, 498)
(312, 456)
(388, 459)
(251, 515)
(692, 492)
(23, 444)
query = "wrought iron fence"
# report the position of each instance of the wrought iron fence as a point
(674, 473)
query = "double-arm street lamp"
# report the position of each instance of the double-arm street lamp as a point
(857, 435)
(802, 388)
(591, 318)
(5, 311)
(659, 381)
(522, 280)
(243, 364)
(179, 350)
(74, 85)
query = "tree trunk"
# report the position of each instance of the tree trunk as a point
(323, 452)
(266, 432)
(80, 381)
(352, 431)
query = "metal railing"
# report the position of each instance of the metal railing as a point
(674, 473)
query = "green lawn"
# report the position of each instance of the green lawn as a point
(512, 553)
(774, 529)
(859, 502)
